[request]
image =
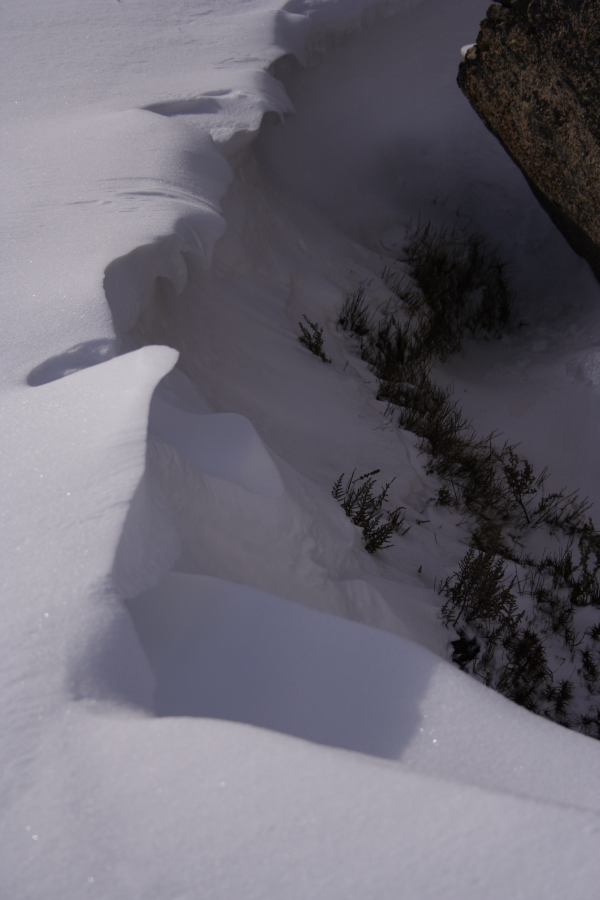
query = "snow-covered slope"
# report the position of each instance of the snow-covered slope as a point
(207, 688)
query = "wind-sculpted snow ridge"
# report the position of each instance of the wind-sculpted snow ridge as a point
(116, 183)
(194, 742)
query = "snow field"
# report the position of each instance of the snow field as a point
(178, 703)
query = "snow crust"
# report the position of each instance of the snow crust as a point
(207, 689)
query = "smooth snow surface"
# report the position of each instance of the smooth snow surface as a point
(208, 689)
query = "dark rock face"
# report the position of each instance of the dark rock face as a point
(534, 79)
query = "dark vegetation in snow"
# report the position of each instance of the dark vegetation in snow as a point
(462, 288)
(364, 501)
(525, 622)
(311, 336)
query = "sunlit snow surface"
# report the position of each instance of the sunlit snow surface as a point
(207, 689)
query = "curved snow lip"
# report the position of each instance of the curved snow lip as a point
(207, 130)
(142, 288)
(135, 195)
(164, 169)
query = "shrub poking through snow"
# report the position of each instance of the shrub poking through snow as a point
(355, 316)
(478, 593)
(531, 641)
(526, 624)
(311, 335)
(532, 645)
(363, 502)
(462, 288)
(513, 652)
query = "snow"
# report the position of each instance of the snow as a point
(208, 689)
